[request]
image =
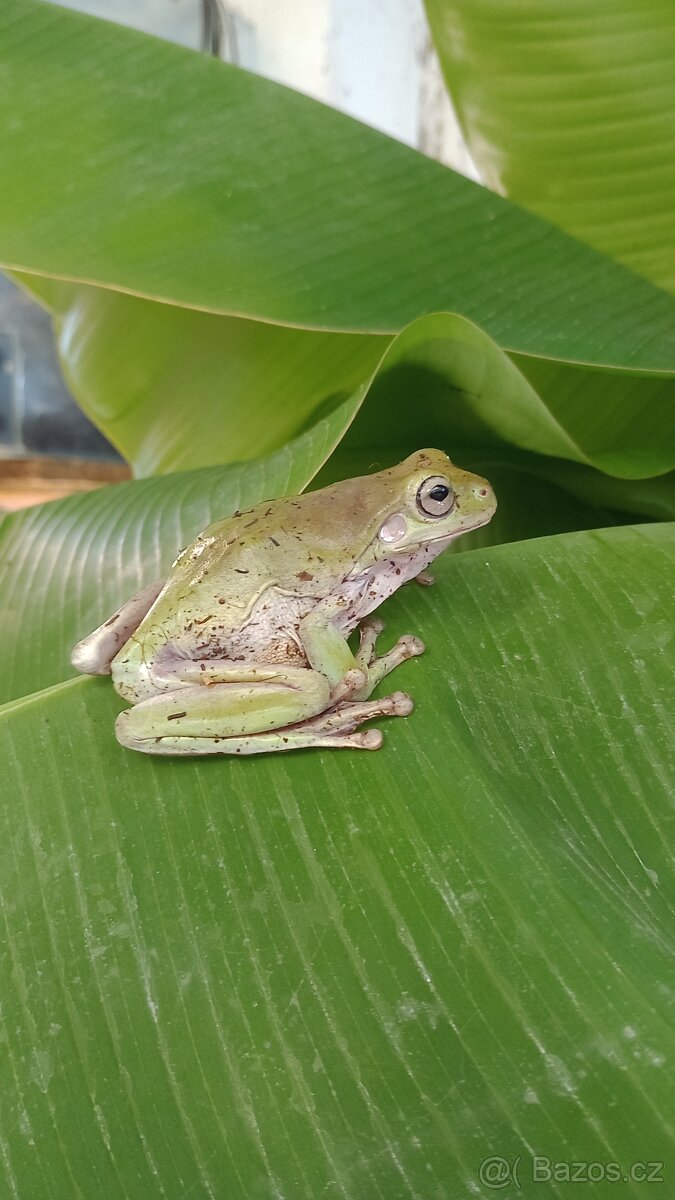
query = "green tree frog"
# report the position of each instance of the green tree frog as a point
(243, 649)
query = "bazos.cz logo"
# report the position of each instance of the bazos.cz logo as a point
(497, 1171)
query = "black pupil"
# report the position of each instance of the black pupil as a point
(439, 493)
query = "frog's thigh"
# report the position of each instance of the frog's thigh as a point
(94, 654)
(196, 715)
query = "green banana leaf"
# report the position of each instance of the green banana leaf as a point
(174, 389)
(194, 389)
(612, 413)
(567, 108)
(367, 974)
(141, 166)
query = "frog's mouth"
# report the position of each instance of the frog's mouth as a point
(439, 543)
(452, 537)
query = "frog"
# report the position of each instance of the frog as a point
(243, 648)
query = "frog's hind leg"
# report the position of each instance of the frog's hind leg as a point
(335, 729)
(272, 742)
(239, 701)
(94, 654)
(286, 709)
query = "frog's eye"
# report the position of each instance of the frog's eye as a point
(435, 497)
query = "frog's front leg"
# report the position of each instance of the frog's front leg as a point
(407, 646)
(218, 707)
(352, 676)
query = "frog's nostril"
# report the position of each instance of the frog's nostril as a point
(480, 491)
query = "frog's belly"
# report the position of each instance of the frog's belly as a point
(150, 662)
(269, 635)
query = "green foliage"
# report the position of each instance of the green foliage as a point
(333, 972)
(249, 978)
(185, 180)
(587, 88)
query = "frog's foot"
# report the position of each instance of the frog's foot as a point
(425, 578)
(375, 668)
(346, 717)
(337, 727)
